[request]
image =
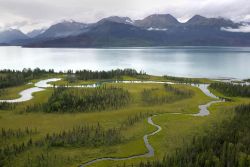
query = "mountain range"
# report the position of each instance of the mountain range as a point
(115, 31)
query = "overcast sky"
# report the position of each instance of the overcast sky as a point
(29, 14)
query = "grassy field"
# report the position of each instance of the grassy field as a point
(177, 130)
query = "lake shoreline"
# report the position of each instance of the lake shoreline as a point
(193, 62)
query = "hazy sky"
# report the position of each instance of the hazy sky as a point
(30, 14)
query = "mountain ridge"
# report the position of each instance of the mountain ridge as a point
(153, 30)
(7, 36)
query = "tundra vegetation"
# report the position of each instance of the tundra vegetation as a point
(167, 95)
(66, 126)
(226, 144)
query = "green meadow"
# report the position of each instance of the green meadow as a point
(128, 121)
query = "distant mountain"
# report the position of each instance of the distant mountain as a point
(107, 34)
(200, 21)
(154, 30)
(35, 33)
(10, 35)
(197, 20)
(117, 19)
(63, 29)
(158, 21)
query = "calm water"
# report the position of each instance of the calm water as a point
(211, 62)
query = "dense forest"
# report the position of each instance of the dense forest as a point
(10, 78)
(84, 100)
(182, 79)
(169, 94)
(231, 90)
(226, 145)
(112, 74)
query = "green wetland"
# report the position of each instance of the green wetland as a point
(121, 118)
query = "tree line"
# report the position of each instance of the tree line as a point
(232, 90)
(10, 78)
(16, 133)
(83, 100)
(88, 136)
(131, 120)
(112, 74)
(178, 91)
(7, 106)
(182, 79)
(226, 145)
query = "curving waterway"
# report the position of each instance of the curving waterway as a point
(27, 94)
(203, 111)
(149, 147)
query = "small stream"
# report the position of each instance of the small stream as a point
(203, 110)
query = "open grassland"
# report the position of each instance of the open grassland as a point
(177, 130)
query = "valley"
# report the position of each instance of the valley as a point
(64, 126)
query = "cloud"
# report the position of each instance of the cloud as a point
(45, 12)
(16, 25)
(245, 28)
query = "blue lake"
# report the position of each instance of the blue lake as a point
(210, 62)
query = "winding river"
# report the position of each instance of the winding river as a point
(203, 111)
(27, 94)
(150, 153)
